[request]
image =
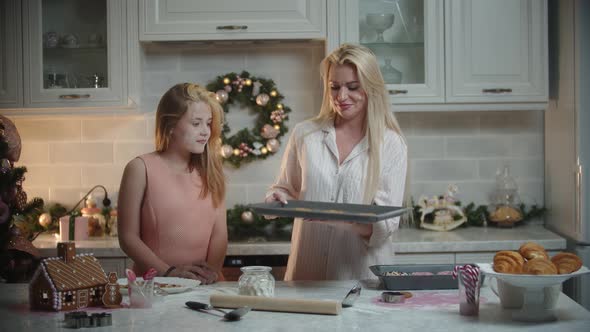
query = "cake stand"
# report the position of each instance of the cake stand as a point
(533, 309)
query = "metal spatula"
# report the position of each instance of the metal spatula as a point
(233, 315)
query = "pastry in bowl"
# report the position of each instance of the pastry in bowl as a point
(532, 250)
(539, 266)
(566, 262)
(507, 261)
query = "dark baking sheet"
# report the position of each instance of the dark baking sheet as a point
(329, 211)
(415, 282)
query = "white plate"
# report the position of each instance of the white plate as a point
(530, 280)
(171, 285)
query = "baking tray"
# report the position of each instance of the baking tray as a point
(359, 213)
(415, 282)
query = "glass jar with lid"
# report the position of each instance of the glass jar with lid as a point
(506, 200)
(256, 281)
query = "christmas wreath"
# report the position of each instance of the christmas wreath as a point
(260, 96)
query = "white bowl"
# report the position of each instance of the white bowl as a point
(533, 307)
(380, 21)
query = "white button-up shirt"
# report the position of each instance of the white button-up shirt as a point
(310, 171)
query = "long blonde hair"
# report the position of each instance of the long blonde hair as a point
(379, 116)
(173, 104)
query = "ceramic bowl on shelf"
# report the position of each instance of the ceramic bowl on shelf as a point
(380, 22)
(535, 288)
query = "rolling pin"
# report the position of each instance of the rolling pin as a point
(326, 307)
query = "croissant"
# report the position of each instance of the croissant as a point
(539, 266)
(506, 261)
(566, 262)
(531, 250)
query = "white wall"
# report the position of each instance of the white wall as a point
(67, 154)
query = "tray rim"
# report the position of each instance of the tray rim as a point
(282, 211)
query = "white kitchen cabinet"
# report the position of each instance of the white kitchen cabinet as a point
(496, 51)
(408, 45)
(74, 53)
(453, 55)
(175, 20)
(10, 54)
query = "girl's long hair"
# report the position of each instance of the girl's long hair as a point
(173, 104)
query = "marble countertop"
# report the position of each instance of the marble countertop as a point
(406, 240)
(367, 314)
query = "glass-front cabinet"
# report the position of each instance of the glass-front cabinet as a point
(74, 53)
(407, 36)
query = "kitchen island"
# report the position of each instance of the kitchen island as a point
(367, 314)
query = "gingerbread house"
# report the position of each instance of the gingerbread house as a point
(67, 282)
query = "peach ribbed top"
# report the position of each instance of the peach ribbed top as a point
(175, 223)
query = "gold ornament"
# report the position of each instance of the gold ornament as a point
(280, 106)
(248, 82)
(262, 99)
(236, 152)
(45, 219)
(221, 96)
(226, 151)
(273, 145)
(273, 93)
(247, 217)
(226, 80)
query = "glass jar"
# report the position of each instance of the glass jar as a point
(256, 281)
(506, 201)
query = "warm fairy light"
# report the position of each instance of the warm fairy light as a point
(280, 106)
(277, 127)
(263, 150)
(248, 82)
(273, 93)
(236, 152)
(226, 80)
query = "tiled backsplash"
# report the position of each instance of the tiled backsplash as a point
(67, 154)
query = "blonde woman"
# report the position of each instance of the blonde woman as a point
(352, 152)
(172, 201)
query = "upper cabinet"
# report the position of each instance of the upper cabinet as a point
(407, 38)
(175, 20)
(64, 54)
(496, 51)
(10, 54)
(74, 52)
(456, 54)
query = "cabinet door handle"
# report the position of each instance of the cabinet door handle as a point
(232, 27)
(497, 90)
(74, 96)
(579, 196)
(397, 92)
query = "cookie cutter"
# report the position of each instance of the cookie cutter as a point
(80, 319)
(393, 297)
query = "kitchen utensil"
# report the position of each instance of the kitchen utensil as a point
(360, 213)
(326, 307)
(233, 315)
(415, 277)
(352, 296)
(393, 297)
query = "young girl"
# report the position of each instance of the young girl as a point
(172, 201)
